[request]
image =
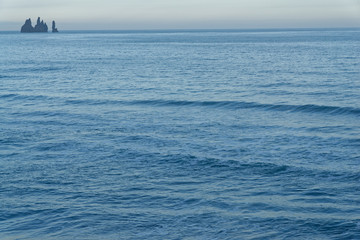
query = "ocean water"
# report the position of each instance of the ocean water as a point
(180, 135)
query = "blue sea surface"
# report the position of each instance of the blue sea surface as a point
(180, 134)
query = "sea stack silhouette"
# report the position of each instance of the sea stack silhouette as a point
(54, 29)
(39, 27)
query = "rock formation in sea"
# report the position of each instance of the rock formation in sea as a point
(39, 27)
(54, 29)
(27, 27)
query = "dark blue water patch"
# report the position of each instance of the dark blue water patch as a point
(25, 97)
(184, 163)
(11, 77)
(41, 114)
(37, 69)
(92, 102)
(10, 95)
(56, 146)
(274, 84)
(354, 142)
(292, 228)
(49, 117)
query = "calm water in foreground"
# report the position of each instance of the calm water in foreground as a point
(180, 135)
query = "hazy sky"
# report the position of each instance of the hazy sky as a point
(158, 14)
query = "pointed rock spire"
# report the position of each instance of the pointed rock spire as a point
(54, 29)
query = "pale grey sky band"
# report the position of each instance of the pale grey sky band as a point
(160, 14)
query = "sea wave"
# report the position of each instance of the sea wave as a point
(233, 105)
(243, 105)
(37, 69)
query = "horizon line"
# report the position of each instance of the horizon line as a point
(199, 29)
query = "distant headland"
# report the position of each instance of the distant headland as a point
(39, 27)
